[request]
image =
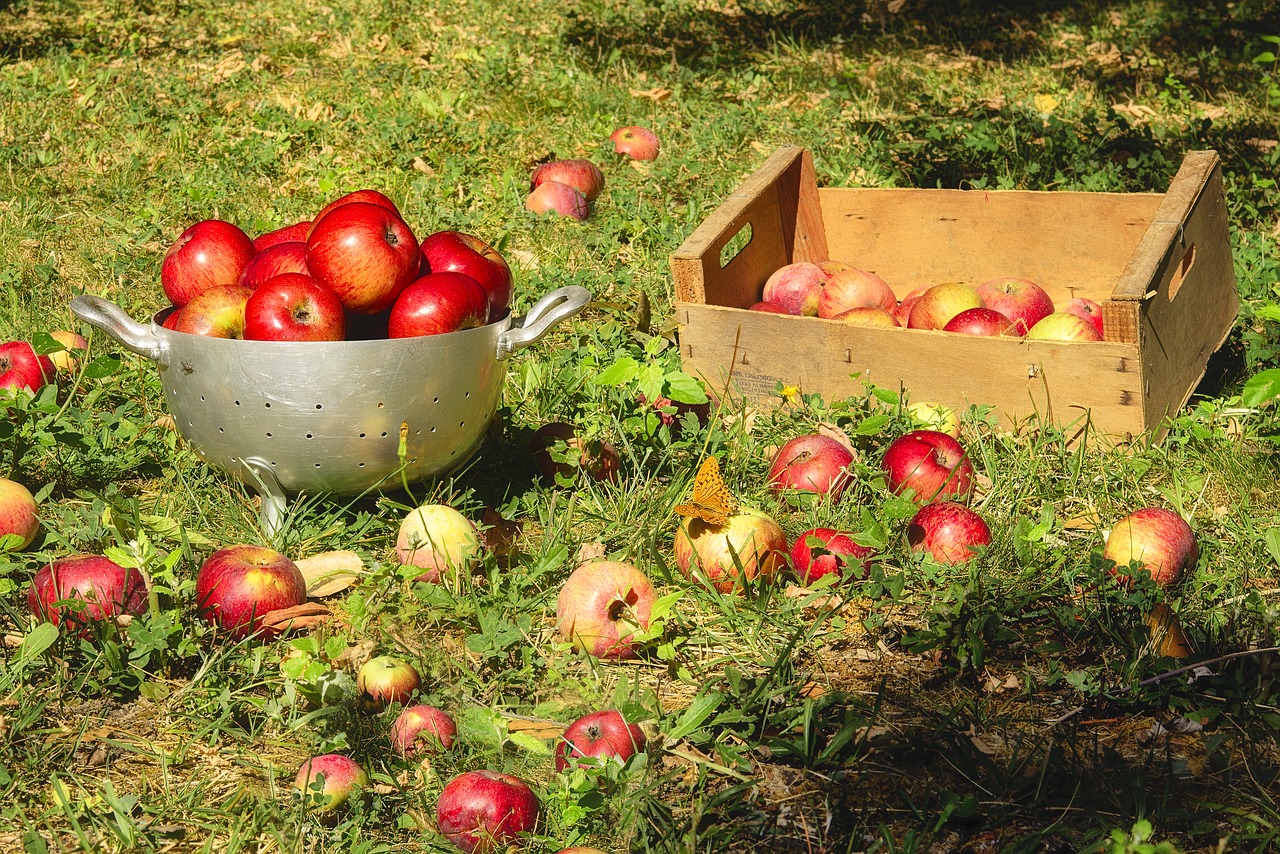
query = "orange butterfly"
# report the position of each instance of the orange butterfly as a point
(711, 502)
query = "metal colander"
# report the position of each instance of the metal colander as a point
(326, 417)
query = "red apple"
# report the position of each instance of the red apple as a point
(365, 253)
(796, 287)
(211, 253)
(327, 783)
(420, 729)
(216, 312)
(931, 465)
(949, 531)
(66, 360)
(103, 589)
(751, 548)
(238, 585)
(22, 368)
(365, 197)
(814, 464)
(602, 606)
(486, 811)
(385, 679)
(902, 313)
(293, 307)
(596, 457)
(582, 174)
(439, 539)
(18, 515)
(867, 316)
(822, 551)
(599, 737)
(940, 303)
(1088, 309)
(296, 233)
(853, 287)
(767, 307)
(557, 198)
(1061, 326)
(438, 303)
(279, 258)
(981, 321)
(457, 252)
(1159, 540)
(637, 143)
(1021, 300)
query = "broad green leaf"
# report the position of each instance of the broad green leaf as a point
(36, 642)
(1266, 57)
(702, 707)
(1270, 311)
(1261, 388)
(530, 743)
(1272, 538)
(683, 388)
(620, 372)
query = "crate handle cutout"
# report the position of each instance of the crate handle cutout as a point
(1183, 270)
(735, 245)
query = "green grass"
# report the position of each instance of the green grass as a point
(925, 709)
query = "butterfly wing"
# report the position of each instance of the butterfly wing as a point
(712, 502)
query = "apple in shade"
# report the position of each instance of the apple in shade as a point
(486, 811)
(1159, 540)
(935, 416)
(1021, 300)
(596, 457)
(599, 737)
(99, 587)
(797, 287)
(22, 368)
(638, 143)
(365, 253)
(421, 729)
(67, 360)
(458, 252)
(767, 307)
(239, 585)
(823, 551)
(209, 254)
(279, 258)
(328, 783)
(902, 313)
(582, 174)
(438, 303)
(293, 307)
(216, 312)
(813, 463)
(385, 679)
(1061, 326)
(366, 196)
(438, 539)
(949, 531)
(929, 466)
(981, 321)
(560, 199)
(602, 606)
(1088, 309)
(296, 233)
(867, 316)
(940, 303)
(751, 548)
(853, 287)
(18, 514)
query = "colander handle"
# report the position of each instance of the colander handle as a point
(113, 320)
(560, 304)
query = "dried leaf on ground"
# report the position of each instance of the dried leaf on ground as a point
(331, 572)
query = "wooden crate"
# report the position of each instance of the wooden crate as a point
(1160, 265)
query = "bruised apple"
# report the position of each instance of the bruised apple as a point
(602, 606)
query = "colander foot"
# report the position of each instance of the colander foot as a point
(273, 498)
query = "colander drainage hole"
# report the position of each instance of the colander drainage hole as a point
(310, 435)
(268, 406)
(362, 465)
(462, 424)
(237, 403)
(220, 430)
(468, 394)
(317, 465)
(362, 435)
(202, 397)
(268, 435)
(435, 400)
(384, 434)
(433, 429)
(319, 406)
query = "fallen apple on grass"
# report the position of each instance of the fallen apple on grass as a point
(1021, 300)
(638, 143)
(595, 457)
(559, 199)
(929, 466)
(457, 252)
(19, 515)
(385, 679)
(22, 368)
(603, 606)
(440, 540)
(823, 551)
(814, 464)
(599, 737)
(82, 589)
(67, 360)
(438, 303)
(211, 253)
(365, 253)
(1157, 539)
(581, 174)
(420, 729)
(239, 585)
(751, 548)
(948, 531)
(797, 287)
(935, 416)
(293, 307)
(327, 783)
(486, 811)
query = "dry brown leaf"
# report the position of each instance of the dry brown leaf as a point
(590, 551)
(330, 572)
(1167, 637)
(813, 690)
(833, 431)
(298, 617)
(535, 728)
(499, 534)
